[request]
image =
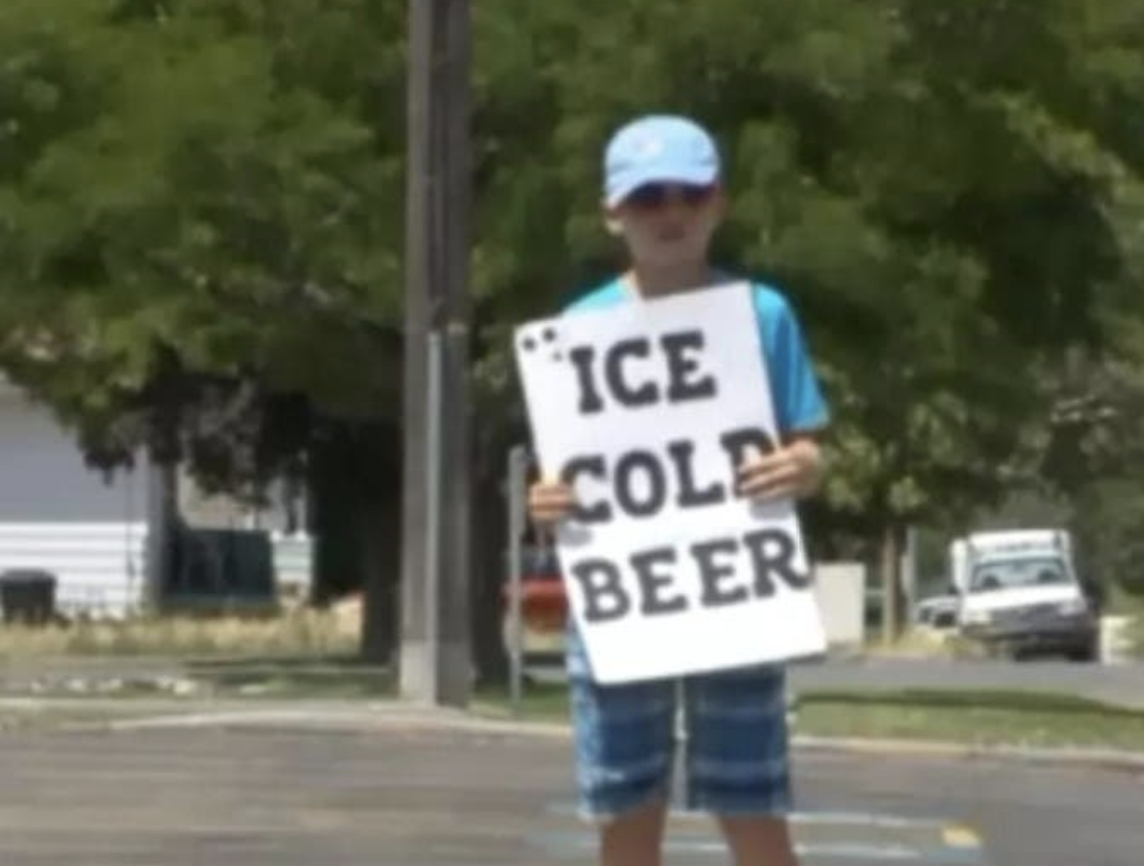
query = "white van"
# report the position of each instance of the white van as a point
(1020, 595)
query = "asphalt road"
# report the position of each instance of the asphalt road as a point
(302, 793)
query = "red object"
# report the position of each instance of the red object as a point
(543, 604)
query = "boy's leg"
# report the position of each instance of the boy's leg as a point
(759, 840)
(624, 753)
(738, 761)
(634, 838)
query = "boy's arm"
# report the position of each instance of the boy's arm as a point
(800, 408)
(793, 470)
(801, 412)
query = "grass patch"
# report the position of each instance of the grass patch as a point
(337, 677)
(299, 632)
(969, 717)
(976, 718)
(302, 653)
(35, 718)
(961, 700)
(546, 702)
(1134, 637)
(923, 643)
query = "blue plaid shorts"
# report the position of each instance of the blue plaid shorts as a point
(736, 749)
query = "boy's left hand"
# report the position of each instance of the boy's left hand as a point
(793, 470)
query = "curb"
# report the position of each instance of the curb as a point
(399, 717)
(412, 718)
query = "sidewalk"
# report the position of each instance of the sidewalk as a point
(393, 715)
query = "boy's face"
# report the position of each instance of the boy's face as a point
(668, 224)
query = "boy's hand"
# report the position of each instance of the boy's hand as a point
(549, 502)
(791, 471)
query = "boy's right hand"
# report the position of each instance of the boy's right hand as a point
(549, 502)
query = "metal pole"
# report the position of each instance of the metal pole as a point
(433, 497)
(455, 663)
(435, 653)
(517, 467)
(415, 673)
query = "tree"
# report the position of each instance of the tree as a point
(200, 249)
(182, 230)
(948, 193)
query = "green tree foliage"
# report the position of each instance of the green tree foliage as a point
(950, 193)
(201, 218)
(199, 190)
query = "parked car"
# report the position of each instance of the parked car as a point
(938, 613)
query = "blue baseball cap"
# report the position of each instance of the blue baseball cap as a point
(658, 149)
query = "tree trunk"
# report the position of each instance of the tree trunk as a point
(355, 522)
(163, 532)
(490, 515)
(331, 523)
(380, 533)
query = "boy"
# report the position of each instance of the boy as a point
(663, 198)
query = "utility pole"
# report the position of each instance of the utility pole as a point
(435, 655)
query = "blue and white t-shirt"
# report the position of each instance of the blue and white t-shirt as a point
(799, 404)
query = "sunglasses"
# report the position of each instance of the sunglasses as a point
(656, 195)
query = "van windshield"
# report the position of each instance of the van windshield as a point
(1015, 573)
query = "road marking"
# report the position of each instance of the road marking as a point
(576, 844)
(863, 819)
(960, 836)
(827, 836)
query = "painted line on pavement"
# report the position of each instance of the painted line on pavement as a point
(960, 836)
(577, 844)
(863, 819)
(954, 843)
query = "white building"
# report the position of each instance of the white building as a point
(57, 515)
(43, 478)
(60, 516)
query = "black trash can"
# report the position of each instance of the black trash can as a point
(28, 596)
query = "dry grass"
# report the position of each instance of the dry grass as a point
(298, 632)
(923, 644)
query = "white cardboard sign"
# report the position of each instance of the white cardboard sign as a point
(646, 408)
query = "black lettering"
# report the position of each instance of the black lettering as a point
(772, 555)
(604, 597)
(582, 358)
(690, 496)
(631, 396)
(682, 365)
(739, 443)
(713, 574)
(653, 498)
(594, 466)
(652, 584)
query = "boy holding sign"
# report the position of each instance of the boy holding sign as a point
(663, 198)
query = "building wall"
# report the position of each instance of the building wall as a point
(59, 516)
(43, 477)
